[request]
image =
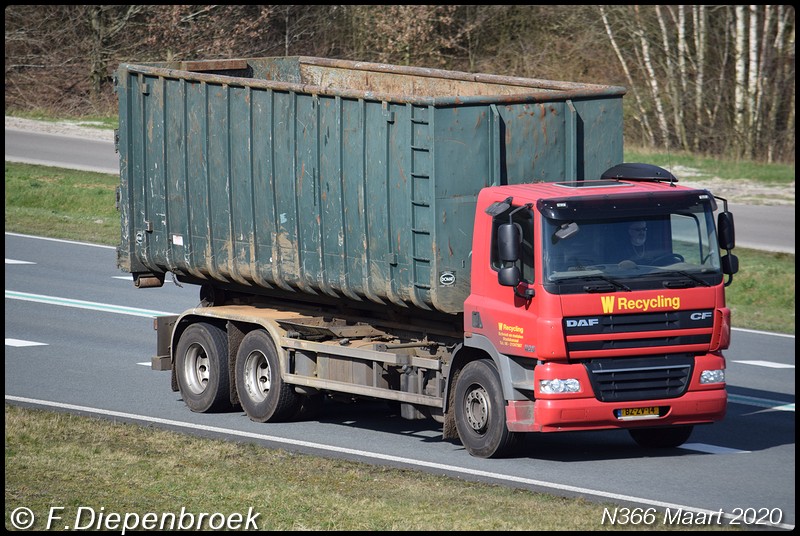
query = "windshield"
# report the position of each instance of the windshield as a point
(638, 251)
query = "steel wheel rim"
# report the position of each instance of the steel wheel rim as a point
(257, 376)
(196, 369)
(476, 408)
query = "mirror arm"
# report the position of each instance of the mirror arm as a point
(527, 295)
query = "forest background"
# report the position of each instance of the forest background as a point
(711, 80)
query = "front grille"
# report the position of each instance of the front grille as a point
(640, 378)
(605, 327)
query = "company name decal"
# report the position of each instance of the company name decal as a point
(510, 335)
(612, 304)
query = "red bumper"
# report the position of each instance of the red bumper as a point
(697, 407)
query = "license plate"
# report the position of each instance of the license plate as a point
(652, 412)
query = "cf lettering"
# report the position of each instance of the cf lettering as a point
(701, 316)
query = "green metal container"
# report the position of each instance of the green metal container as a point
(337, 179)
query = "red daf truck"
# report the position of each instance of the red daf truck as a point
(468, 247)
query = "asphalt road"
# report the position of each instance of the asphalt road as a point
(79, 338)
(55, 150)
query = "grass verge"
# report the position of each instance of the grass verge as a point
(61, 460)
(707, 167)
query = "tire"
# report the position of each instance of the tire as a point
(201, 368)
(262, 392)
(480, 412)
(661, 438)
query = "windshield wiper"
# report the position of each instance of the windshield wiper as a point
(684, 274)
(612, 284)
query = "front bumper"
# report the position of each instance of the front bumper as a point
(694, 407)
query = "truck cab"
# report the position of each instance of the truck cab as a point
(587, 334)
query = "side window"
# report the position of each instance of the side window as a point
(692, 238)
(523, 217)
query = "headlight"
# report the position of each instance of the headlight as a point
(552, 387)
(712, 376)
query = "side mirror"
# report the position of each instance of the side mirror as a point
(509, 276)
(730, 264)
(725, 228)
(509, 238)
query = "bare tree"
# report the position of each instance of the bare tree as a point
(781, 113)
(105, 24)
(711, 79)
(403, 34)
(738, 111)
(652, 79)
(642, 117)
(675, 78)
(700, 43)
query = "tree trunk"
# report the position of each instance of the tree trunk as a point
(643, 119)
(700, 40)
(652, 80)
(741, 78)
(752, 84)
(672, 82)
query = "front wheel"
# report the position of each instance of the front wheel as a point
(480, 411)
(201, 368)
(264, 396)
(661, 438)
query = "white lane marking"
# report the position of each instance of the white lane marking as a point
(14, 261)
(19, 343)
(712, 449)
(761, 402)
(372, 455)
(61, 240)
(144, 364)
(768, 364)
(759, 332)
(80, 304)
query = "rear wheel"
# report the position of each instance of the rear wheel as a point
(661, 438)
(480, 411)
(262, 392)
(201, 368)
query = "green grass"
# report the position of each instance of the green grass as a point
(55, 459)
(762, 295)
(707, 167)
(61, 203)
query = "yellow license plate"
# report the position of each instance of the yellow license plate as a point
(639, 413)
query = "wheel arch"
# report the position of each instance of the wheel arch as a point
(516, 374)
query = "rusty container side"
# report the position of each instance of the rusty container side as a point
(336, 179)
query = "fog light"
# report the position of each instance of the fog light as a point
(712, 376)
(552, 387)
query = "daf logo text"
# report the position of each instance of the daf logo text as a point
(583, 322)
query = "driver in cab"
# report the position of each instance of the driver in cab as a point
(635, 247)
